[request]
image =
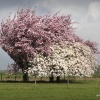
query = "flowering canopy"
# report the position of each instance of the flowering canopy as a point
(76, 59)
(28, 35)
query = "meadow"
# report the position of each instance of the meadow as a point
(77, 90)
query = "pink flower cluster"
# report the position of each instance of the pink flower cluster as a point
(28, 34)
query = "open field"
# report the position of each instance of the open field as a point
(77, 90)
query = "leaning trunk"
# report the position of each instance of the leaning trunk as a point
(25, 76)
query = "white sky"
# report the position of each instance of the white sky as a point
(85, 12)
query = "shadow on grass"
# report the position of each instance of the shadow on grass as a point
(44, 81)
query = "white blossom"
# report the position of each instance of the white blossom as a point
(76, 59)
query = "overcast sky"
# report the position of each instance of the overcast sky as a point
(85, 12)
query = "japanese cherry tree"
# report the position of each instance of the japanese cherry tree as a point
(46, 45)
(75, 59)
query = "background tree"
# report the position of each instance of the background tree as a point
(28, 34)
(12, 68)
(75, 59)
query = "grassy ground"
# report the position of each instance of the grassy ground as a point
(79, 90)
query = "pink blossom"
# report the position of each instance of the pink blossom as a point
(28, 34)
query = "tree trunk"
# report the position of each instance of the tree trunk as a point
(51, 79)
(35, 80)
(25, 77)
(58, 78)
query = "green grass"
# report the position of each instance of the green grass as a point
(80, 90)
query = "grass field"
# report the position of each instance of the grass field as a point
(79, 90)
